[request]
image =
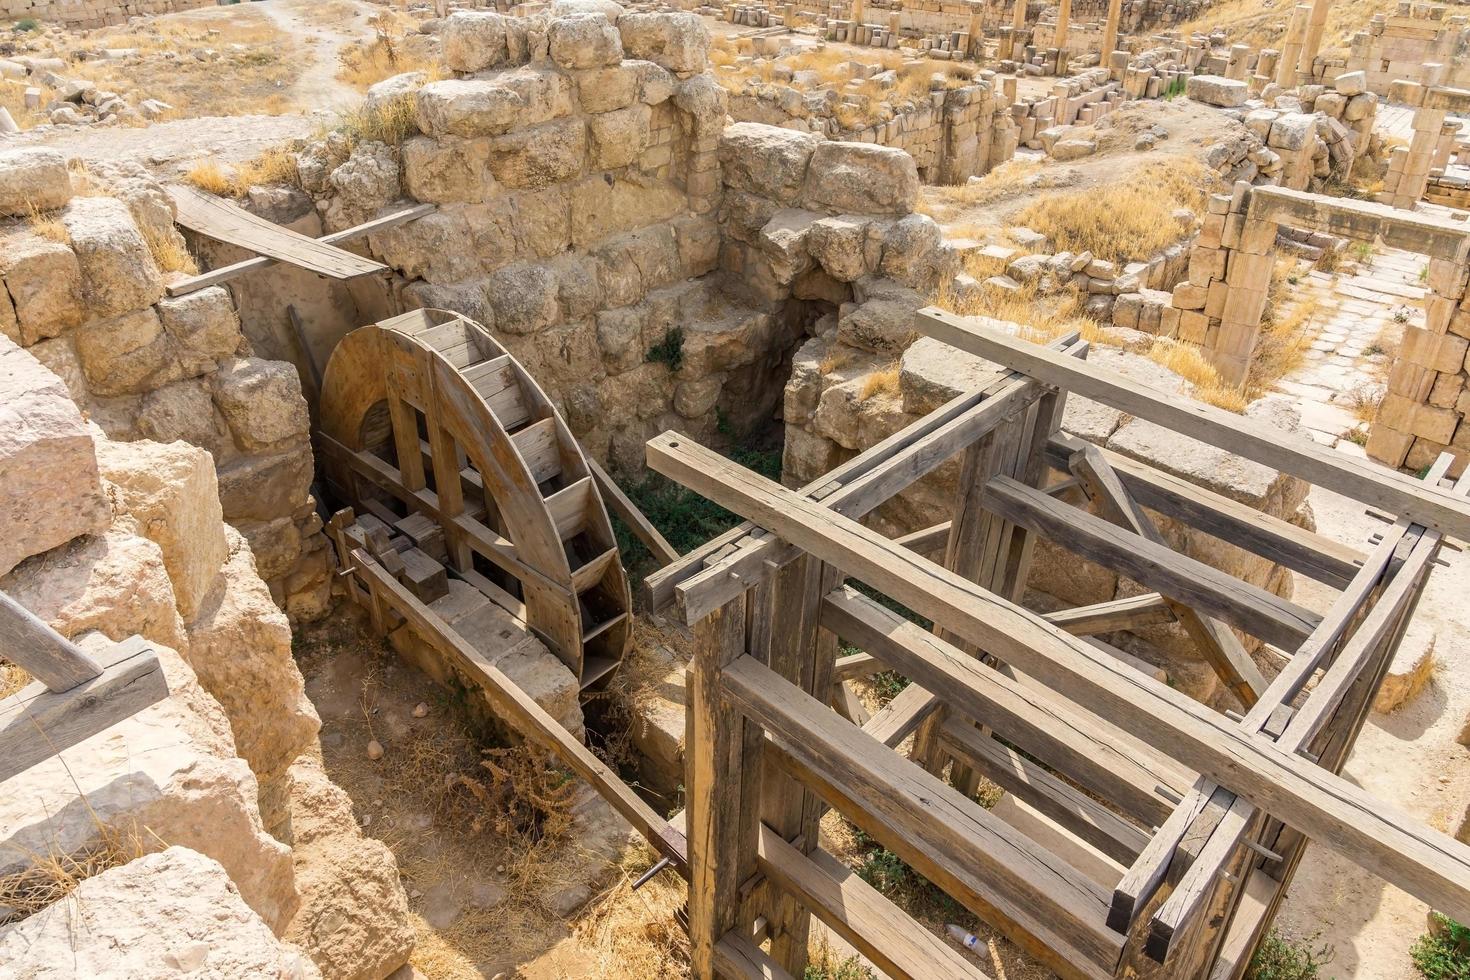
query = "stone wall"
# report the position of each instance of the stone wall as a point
(84, 295)
(87, 14)
(1418, 44)
(130, 540)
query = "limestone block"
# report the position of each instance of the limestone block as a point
(619, 136)
(33, 178)
(1073, 149)
(473, 40)
(170, 491)
(767, 161)
(175, 912)
(599, 209)
(112, 581)
(365, 183)
(609, 9)
(1292, 131)
(185, 410)
(127, 354)
(931, 373)
(1351, 84)
(585, 41)
(263, 487)
(44, 282)
(539, 156)
(438, 247)
(614, 87)
(676, 41)
(860, 178)
(524, 298)
(1217, 91)
(240, 647)
(203, 327)
(784, 241)
(884, 324)
(261, 401)
(806, 455)
(390, 90)
(165, 774)
(910, 251)
(507, 102)
(50, 492)
(353, 919)
(118, 273)
(838, 244)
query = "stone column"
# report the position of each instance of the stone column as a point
(1428, 124)
(1018, 18)
(858, 13)
(1291, 48)
(1316, 27)
(977, 33)
(1110, 31)
(1064, 24)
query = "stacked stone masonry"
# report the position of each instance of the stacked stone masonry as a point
(89, 14)
(1418, 44)
(92, 307)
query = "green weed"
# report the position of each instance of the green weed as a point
(668, 351)
(1443, 953)
(1279, 958)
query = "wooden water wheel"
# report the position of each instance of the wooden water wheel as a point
(425, 417)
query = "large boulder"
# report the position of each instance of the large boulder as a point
(473, 40)
(50, 491)
(118, 272)
(676, 41)
(1227, 93)
(767, 161)
(163, 776)
(43, 282)
(861, 178)
(171, 492)
(33, 178)
(488, 107)
(203, 327)
(585, 41)
(261, 402)
(167, 914)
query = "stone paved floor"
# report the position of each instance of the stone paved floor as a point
(1355, 315)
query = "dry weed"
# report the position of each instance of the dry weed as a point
(13, 677)
(210, 177)
(1132, 220)
(1042, 318)
(51, 877)
(47, 224)
(634, 935)
(881, 382)
(1190, 363)
(170, 253)
(1007, 180)
(366, 63)
(276, 165)
(390, 121)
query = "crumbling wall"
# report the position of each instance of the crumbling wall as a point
(88, 14)
(138, 546)
(85, 296)
(1417, 44)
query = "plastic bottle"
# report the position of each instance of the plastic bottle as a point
(966, 939)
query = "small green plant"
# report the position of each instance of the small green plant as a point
(1402, 314)
(1443, 953)
(1279, 958)
(668, 351)
(1175, 88)
(1424, 273)
(848, 969)
(885, 871)
(27, 25)
(1363, 252)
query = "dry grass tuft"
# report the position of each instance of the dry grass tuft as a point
(13, 677)
(1132, 220)
(47, 224)
(390, 121)
(368, 62)
(1042, 318)
(210, 177)
(53, 876)
(635, 935)
(276, 165)
(1190, 363)
(883, 382)
(170, 253)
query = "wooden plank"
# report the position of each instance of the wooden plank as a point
(45, 654)
(626, 511)
(223, 274)
(1099, 756)
(522, 713)
(539, 450)
(859, 913)
(901, 717)
(1069, 806)
(1374, 834)
(737, 958)
(1149, 609)
(1047, 907)
(1155, 566)
(1220, 647)
(663, 586)
(1314, 555)
(568, 507)
(1256, 440)
(927, 541)
(37, 723)
(225, 222)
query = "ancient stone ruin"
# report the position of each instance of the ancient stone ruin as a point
(894, 488)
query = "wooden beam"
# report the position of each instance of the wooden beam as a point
(522, 713)
(1154, 566)
(928, 541)
(901, 717)
(628, 512)
(1069, 806)
(223, 274)
(1219, 646)
(1314, 555)
(45, 654)
(37, 723)
(1258, 441)
(1133, 612)
(737, 958)
(1376, 835)
(1100, 757)
(1041, 903)
(859, 913)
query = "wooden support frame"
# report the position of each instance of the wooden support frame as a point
(1029, 715)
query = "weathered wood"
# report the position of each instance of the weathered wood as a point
(44, 653)
(1374, 834)
(628, 512)
(901, 717)
(221, 220)
(1114, 615)
(722, 770)
(37, 723)
(928, 541)
(1014, 773)
(1155, 566)
(885, 934)
(1314, 555)
(1050, 909)
(1256, 440)
(737, 958)
(223, 274)
(1220, 648)
(523, 714)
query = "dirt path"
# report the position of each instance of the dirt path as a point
(323, 29)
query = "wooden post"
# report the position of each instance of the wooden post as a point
(721, 782)
(44, 653)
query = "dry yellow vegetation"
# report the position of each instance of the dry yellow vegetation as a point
(1131, 220)
(366, 63)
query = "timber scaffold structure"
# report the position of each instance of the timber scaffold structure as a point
(1206, 813)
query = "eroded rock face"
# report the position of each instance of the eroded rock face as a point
(353, 920)
(33, 177)
(118, 274)
(167, 775)
(166, 914)
(50, 491)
